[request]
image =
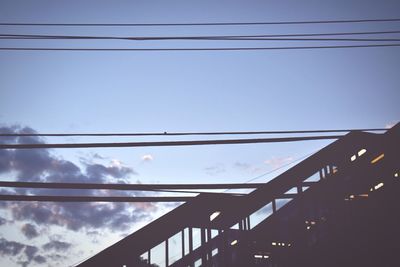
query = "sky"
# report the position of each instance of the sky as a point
(67, 92)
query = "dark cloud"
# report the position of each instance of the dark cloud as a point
(42, 165)
(39, 259)
(2, 221)
(10, 248)
(29, 231)
(30, 252)
(57, 245)
(100, 172)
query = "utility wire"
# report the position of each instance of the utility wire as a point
(198, 24)
(170, 143)
(93, 198)
(193, 49)
(209, 37)
(193, 133)
(130, 187)
(189, 38)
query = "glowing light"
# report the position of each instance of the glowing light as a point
(234, 242)
(362, 152)
(289, 245)
(363, 195)
(353, 158)
(308, 227)
(351, 196)
(283, 244)
(378, 186)
(266, 256)
(274, 243)
(378, 158)
(312, 223)
(214, 215)
(258, 256)
(396, 174)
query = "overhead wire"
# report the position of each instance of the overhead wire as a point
(169, 143)
(129, 187)
(193, 133)
(94, 198)
(200, 23)
(259, 37)
(194, 49)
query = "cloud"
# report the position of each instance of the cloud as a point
(10, 248)
(242, 165)
(390, 124)
(57, 245)
(147, 158)
(39, 259)
(277, 162)
(26, 253)
(41, 165)
(2, 221)
(29, 230)
(215, 169)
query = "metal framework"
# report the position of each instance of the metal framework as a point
(336, 208)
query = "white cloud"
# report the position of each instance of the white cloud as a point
(147, 158)
(390, 125)
(116, 163)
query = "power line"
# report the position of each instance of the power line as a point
(130, 187)
(192, 49)
(93, 198)
(170, 143)
(192, 133)
(191, 38)
(206, 37)
(198, 24)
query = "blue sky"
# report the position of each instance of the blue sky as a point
(180, 91)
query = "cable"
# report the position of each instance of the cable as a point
(197, 24)
(191, 49)
(196, 38)
(170, 143)
(194, 133)
(92, 198)
(210, 37)
(141, 187)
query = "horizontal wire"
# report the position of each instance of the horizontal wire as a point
(192, 49)
(169, 143)
(216, 38)
(198, 24)
(93, 198)
(193, 133)
(131, 187)
(210, 37)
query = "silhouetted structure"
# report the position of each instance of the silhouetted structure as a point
(338, 207)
